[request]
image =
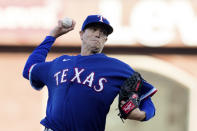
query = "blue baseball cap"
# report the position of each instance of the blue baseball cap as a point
(97, 19)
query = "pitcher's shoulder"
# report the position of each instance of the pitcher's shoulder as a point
(64, 58)
(117, 61)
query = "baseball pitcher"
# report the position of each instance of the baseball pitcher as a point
(81, 88)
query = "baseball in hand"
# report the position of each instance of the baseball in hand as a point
(67, 22)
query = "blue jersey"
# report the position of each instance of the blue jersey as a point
(80, 89)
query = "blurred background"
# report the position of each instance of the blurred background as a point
(155, 37)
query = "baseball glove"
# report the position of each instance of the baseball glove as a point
(129, 95)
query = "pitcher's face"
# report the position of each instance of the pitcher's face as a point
(94, 37)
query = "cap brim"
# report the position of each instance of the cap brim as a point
(106, 26)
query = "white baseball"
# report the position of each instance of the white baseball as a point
(67, 22)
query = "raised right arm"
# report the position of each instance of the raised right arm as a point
(40, 53)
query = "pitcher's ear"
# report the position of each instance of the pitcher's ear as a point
(106, 39)
(81, 34)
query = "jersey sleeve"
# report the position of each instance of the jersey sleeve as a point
(148, 90)
(38, 75)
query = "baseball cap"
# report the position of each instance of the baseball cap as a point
(97, 19)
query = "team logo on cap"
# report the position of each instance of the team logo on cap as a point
(101, 18)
